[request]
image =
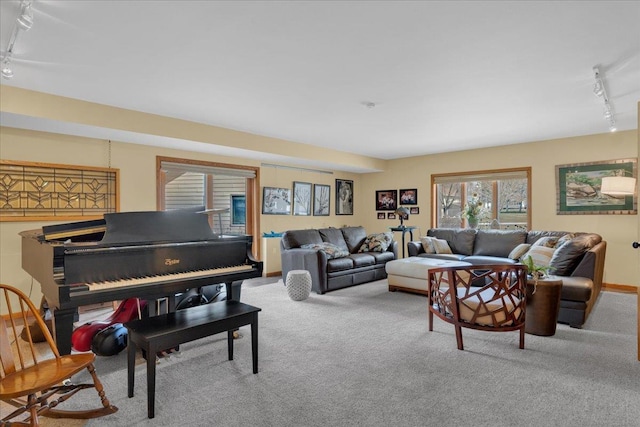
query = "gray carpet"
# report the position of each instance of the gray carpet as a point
(363, 356)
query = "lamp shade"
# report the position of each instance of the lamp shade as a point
(618, 186)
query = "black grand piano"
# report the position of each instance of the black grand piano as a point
(147, 255)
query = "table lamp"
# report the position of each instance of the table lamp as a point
(401, 212)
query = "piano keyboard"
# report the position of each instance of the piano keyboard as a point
(166, 277)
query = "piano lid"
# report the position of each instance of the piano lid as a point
(156, 226)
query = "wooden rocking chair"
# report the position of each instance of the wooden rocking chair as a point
(484, 297)
(36, 379)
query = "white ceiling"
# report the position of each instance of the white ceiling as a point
(444, 76)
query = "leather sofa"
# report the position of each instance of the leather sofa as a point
(578, 261)
(334, 269)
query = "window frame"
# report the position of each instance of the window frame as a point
(252, 219)
(480, 175)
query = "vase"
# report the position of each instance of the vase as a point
(473, 222)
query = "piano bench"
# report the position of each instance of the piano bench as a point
(156, 333)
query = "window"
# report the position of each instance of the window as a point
(227, 192)
(505, 196)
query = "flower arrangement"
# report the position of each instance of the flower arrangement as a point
(474, 208)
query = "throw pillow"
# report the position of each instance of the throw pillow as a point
(548, 242)
(427, 245)
(330, 249)
(441, 246)
(541, 255)
(564, 239)
(379, 242)
(517, 252)
(568, 255)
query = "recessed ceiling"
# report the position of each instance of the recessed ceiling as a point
(385, 79)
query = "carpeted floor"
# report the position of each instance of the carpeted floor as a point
(363, 356)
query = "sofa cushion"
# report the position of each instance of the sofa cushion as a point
(297, 238)
(460, 240)
(339, 264)
(497, 243)
(332, 251)
(576, 288)
(334, 235)
(362, 260)
(567, 255)
(354, 236)
(378, 242)
(382, 257)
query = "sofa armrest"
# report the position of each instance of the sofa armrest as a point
(393, 247)
(592, 265)
(314, 261)
(415, 248)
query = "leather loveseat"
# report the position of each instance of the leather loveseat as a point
(576, 258)
(337, 257)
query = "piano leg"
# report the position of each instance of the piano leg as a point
(63, 327)
(233, 290)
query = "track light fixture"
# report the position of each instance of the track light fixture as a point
(24, 22)
(600, 92)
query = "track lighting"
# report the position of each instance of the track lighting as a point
(24, 22)
(600, 92)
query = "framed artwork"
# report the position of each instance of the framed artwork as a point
(578, 188)
(386, 200)
(238, 209)
(276, 201)
(409, 197)
(321, 199)
(301, 198)
(391, 215)
(414, 210)
(344, 197)
(381, 215)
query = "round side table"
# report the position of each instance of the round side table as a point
(543, 306)
(298, 284)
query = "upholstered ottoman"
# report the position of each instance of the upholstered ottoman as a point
(410, 274)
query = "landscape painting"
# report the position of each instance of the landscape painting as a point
(578, 188)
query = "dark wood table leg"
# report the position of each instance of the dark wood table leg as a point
(131, 367)
(254, 342)
(230, 344)
(151, 381)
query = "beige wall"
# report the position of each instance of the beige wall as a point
(137, 165)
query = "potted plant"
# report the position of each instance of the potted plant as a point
(473, 210)
(536, 271)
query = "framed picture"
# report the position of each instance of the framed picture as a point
(386, 200)
(276, 201)
(238, 209)
(414, 210)
(381, 215)
(321, 199)
(301, 198)
(391, 215)
(578, 188)
(344, 197)
(409, 197)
